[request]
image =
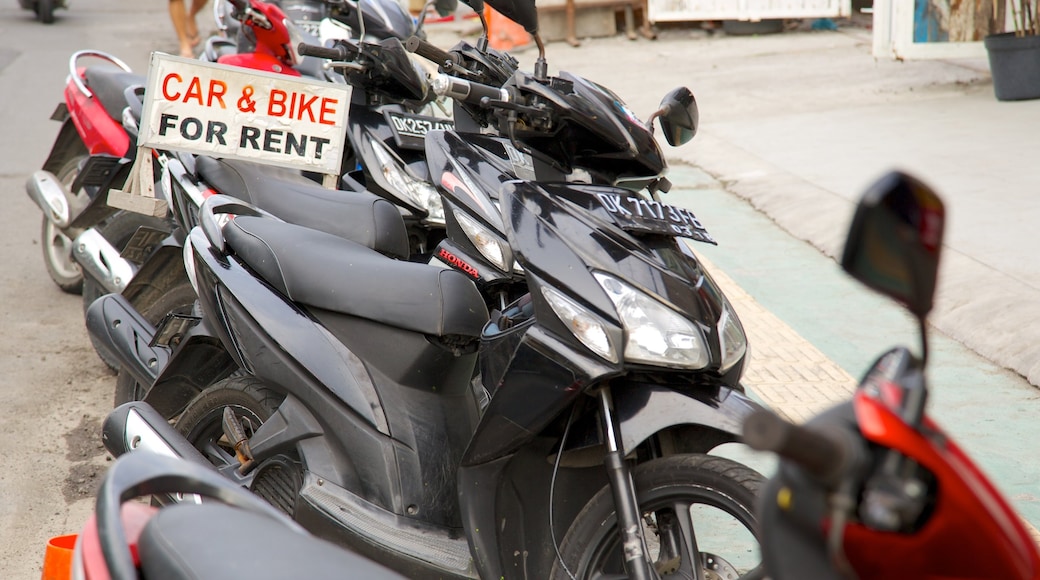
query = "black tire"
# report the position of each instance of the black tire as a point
(200, 423)
(118, 229)
(591, 547)
(180, 299)
(45, 10)
(56, 246)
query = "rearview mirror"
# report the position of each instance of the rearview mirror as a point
(445, 7)
(523, 12)
(895, 239)
(679, 116)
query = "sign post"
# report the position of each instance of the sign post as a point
(232, 112)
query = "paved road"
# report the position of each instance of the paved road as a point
(53, 387)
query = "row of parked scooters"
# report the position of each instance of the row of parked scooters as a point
(490, 352)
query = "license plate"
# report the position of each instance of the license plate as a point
(634, 213)
(410, 130)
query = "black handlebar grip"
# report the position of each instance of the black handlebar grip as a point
(825, 453)
(429, 51)
(338, 52)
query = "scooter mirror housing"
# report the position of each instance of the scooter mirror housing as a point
(895, 240)
(523, 12)
(679, 116)
(445, 7)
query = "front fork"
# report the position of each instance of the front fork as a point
(630, 529)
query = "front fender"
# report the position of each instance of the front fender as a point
(716, 412)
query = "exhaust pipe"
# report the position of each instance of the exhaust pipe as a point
(102, 261)
(50, 194)
(137, 426)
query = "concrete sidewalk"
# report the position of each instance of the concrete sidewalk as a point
(799, 123)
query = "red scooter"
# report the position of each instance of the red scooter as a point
(873, 488)
(91, 153)
(93, 150)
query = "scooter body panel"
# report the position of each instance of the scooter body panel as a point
(99, 132)
(969, 510)
(397, 402)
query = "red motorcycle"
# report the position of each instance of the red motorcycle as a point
(91, 154)
(269, 43)
(873, 488)
(93, 150)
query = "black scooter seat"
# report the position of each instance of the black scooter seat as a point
(108, 85)
(213, 540)
(318, 269)
(363, 217)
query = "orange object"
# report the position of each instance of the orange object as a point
(503, 33)
(57, 560)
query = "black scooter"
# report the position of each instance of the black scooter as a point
(355, 412)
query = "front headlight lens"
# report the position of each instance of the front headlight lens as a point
(733, 339)
(588, 328)
(655, 333)
(420, 193)
(492, 247)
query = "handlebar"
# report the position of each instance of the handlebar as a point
(430, 51)
(466, 91)
(825, 453)
(337, 52)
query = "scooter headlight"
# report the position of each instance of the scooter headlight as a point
(588, 328)
(420, 193)
(655, 334)
(490, 245)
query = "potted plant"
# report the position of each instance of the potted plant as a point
(1014, 49)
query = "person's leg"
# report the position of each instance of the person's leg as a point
(179, 17)
(191, 26)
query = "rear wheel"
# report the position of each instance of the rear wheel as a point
(57, 247)
(200, 423)
(697, 512)
(177, 300)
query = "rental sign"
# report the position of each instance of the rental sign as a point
(225, 111)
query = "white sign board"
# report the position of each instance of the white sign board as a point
(752, 10)
(226, 111)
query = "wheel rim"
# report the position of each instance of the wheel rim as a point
(58, 248)
(681, 521)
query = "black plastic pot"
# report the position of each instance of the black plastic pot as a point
(1014, 62)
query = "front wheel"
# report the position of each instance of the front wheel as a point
(45, 10)
(697, 512)
(179, 299)
(118, 230)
